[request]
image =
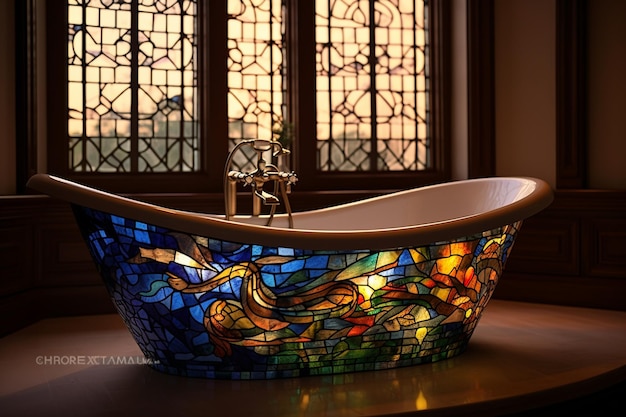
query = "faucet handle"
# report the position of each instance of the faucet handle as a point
(242, 177)
(291, 177)
(288, 177)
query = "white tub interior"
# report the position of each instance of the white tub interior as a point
(419, 206)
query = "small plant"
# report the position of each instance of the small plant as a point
(283, 132)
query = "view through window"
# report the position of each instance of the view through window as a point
(132, 86)
(133, 72)
(372, 85)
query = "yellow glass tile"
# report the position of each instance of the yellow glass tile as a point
(441, 293)
(447, 265)
(419, 255)
(420, 313)
(462, 248)
(421, 333)
(366, 291)
(460, 300)
(376, 281)
(387, 258)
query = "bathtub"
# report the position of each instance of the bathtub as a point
(396, 280)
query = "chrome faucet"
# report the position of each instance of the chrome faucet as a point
(264, 172)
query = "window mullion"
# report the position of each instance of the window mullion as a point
(134, 86)
(373, 154)
(181, 126)
(331, 134)
(84, 161)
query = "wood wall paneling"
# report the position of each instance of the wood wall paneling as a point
(606, 238)
(46, 267)
(16, 245)
(64, 255)
(547, 243)
(573, 253)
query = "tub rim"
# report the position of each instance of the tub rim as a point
(211, 226)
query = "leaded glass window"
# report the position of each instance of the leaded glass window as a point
(256, 71)
(132, 90)
(371, 89)
(168, 87)
(372, 85)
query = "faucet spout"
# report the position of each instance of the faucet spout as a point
(267, 198)
(264, 172)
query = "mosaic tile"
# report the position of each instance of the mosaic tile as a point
(202, 307)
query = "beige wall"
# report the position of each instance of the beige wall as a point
(525, 88)
(7, 98)
(459, 91)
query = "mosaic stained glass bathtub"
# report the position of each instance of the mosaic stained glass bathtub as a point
(211, 308)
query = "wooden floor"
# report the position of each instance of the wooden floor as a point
(524, 359)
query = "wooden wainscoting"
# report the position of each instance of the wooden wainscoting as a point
(47, 269)
(573, 253)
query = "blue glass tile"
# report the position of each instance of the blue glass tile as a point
(177, 301)
(405, 258)
(117, 220)
(292, 266)
(197, 313)
(480, 247)
(158, 240)
(268, 279)
(315, 262)
(192, 275)
(235, 285)
(178, 271)
(189, 299)
(286, 252)
(132, 278)
(279, 279)
(96, 246)
(208, 274)
(142, 236)
(126, 268)
(228, 288)
(269, 269)
(201, 339)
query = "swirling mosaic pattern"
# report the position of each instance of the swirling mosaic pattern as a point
(203, 307)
